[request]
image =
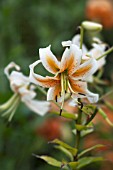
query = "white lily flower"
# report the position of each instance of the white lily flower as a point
(23, 91)
(70, 74)
(98, 49)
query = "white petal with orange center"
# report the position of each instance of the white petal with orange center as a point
(49, 60)
(71, 59)
(85, 70)
(40, 80)
(77, 86)
(79, 90)
(54, 93)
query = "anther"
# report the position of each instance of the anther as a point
(60, 112)
(56, 98)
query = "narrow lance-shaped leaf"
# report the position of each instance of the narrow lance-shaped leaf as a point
(90, 149)
(69, 148)
(88, 160)
(50, 160)
(64, 150)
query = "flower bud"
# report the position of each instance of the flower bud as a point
(91, 26)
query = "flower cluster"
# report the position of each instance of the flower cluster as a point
(70, 75)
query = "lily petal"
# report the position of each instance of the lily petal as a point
(78, 86)
(86, 69)
(17, 79)
(40, 80)
(26, 94)
(39, 107)
(96, 51)
(71, 59)
(66, 43)
(10, 66)
(80, 91)
(54, 93)
(49, 60)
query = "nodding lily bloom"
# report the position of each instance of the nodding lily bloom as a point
(23, 91)
(97, 50)
(70, 74)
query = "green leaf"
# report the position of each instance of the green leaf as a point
(73, 165)
(89, 109)
(64, 150)
(84, 132)
(72, 150)
(90, 149)
(80, 127)
(50, 160)
(88, 160)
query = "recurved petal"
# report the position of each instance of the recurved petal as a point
(85, 70)
(40, 80)
(49, 60)
(10, 66)
(39, 107)
(80, 90)
(54, 93)
(92, 97)
(71, 59)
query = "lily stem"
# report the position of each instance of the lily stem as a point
(107, 52)
(81, 36)
(78, 135)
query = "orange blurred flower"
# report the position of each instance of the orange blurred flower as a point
(101, 11)
(50, 129)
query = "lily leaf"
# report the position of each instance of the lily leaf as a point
(84, 132)
(50, 160)
(72, 150)
(90, 149)
(73, 165)
(88, 160)
(64, 150)
(89, 109)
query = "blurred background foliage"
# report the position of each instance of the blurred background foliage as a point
(26, 26)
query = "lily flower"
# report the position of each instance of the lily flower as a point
(70, 74)
(97, 50)
(23, 91)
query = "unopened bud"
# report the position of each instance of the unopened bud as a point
(91, 26)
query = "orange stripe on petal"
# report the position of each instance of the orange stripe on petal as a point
(71, 59)
(54, 92)
(78, 86)
(85, 70)
(46, 81)
(49, 60)
(52, 64)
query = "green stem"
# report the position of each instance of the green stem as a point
(81, 36)
(78, 135)
(107, 52)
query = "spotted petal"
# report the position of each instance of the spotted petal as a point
(40, 80)
(85, 70)
(49, 60)
(71, 59)
(80, 90)
(54, 93)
